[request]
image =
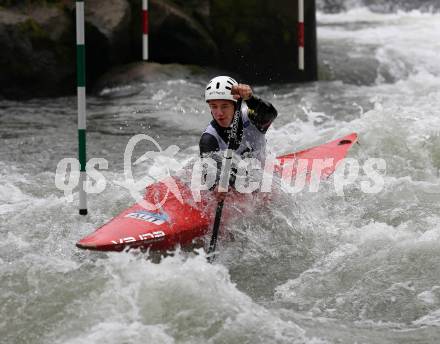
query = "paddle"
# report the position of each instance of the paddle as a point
(224, 179)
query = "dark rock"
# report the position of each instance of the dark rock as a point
(107, 35)
(38, 56)
(256, 39)
(176, 36)
(199, 9)
(259, 39)
(146, 72)
(38, 45)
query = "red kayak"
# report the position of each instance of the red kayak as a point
(177, 223)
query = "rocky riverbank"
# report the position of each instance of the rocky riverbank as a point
(37, 40)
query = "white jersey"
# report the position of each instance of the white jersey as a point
(253, 140)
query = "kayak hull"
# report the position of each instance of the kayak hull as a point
(180, 223)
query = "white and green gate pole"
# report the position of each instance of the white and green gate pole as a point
(81, 92)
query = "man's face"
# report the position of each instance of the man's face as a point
(222, 111)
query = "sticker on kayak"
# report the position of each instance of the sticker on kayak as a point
(154, 236)
(156, 218)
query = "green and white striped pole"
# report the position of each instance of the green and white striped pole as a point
(81, 92)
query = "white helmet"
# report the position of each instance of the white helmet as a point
(220, 88)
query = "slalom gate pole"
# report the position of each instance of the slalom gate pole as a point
(145, 30)
(81, 94)
(301, 34)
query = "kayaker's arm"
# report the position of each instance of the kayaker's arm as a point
(261, 113)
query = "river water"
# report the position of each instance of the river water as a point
(317, 268)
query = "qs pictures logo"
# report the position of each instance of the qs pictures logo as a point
(67, 176)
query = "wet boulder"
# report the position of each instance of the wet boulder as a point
(179, 33)
(259, 39)
(37, 52)
(108, 39)
(138, 73)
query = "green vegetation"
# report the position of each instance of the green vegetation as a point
(33, 30)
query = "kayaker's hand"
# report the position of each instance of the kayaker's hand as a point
(241, 91)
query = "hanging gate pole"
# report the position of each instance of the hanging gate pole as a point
(145, 30)
(301, 34)
(81, 93)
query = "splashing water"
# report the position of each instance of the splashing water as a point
(314, 268)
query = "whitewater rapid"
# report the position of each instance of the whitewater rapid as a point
(318, 268)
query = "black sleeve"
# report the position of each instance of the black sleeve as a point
(208, 144)
(261, 113)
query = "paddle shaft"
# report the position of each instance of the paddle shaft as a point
(224, 179)
(213, 243)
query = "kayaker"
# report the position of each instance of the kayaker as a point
(222, 94)
(257, 115)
